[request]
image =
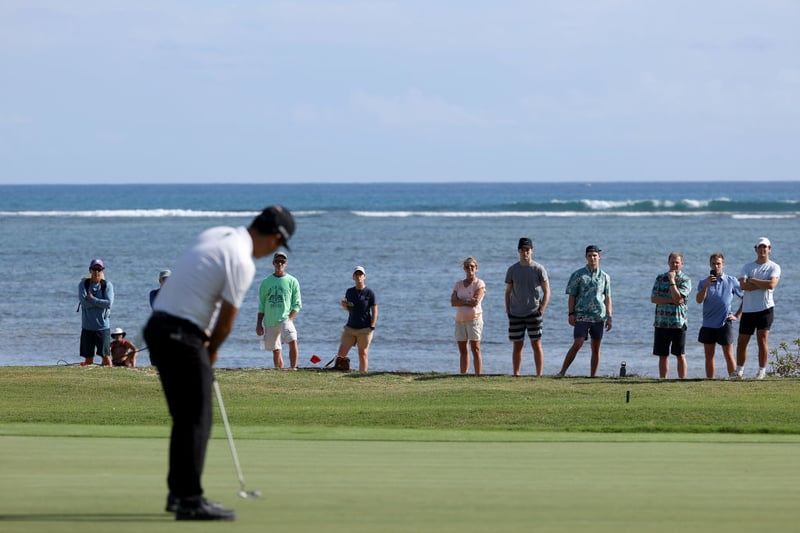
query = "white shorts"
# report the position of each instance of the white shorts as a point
(284, 332)
(469, 331)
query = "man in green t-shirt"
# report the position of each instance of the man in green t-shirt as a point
(278, 305)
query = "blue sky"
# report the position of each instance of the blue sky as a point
(406, 91)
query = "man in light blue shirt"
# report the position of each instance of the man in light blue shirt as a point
(96, 296)
(716, 293)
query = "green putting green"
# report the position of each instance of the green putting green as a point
(563, 482)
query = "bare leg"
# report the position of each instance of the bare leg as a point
(363, 361)
(463, 356)
(762, 336)
(681, 366)
(516, 356)
(277, 358)
(571, 353)
(663, 366)
(477, 362)
(710, 366)
(741, 349)
(595, 362)
(538, 355)
(293, 354)
(730, 360)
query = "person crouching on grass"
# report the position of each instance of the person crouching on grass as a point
(123, 351)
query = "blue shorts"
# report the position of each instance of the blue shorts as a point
(518, 324)
(583, 330)
(95, 341)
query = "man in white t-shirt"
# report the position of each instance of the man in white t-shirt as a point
(192, 317)
(758, 280)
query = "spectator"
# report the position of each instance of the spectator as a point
(758, 280)
(123, 351)
(589, 305)
(466, 298)
(362, 308)
(278, 305)
(669, 293)
(96, 296)
(525, 306)
(716, 293)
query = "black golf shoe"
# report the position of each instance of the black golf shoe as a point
(202, 509)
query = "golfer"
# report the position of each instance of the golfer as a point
(192, 316)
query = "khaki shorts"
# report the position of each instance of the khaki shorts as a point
(469, 331)
(284, 332)
(357, 337)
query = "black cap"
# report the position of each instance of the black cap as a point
(525, 242)
(592, 248)
(275, 219)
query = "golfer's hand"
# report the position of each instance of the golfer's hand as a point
(260, 330)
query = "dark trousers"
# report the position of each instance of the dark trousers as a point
(178, 350)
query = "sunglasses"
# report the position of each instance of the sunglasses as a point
(97, 269)
(279, 262)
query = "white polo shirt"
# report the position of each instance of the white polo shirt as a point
(217, 266)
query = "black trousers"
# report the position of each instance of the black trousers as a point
(178, 349)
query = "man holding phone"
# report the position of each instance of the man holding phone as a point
(716, 293)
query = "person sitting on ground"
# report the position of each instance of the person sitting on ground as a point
(123, 351)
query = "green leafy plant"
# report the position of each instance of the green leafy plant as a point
(786, 363)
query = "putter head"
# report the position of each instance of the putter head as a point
(249, 494)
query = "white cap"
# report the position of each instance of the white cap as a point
(763, 240)
(359, 269)
(164, 274)
(118, 331)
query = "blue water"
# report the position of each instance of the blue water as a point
(411, 238)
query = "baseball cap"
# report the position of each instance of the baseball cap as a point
(593, 248)
(97, 262)
(763, 240)
(359, 269)
(279, 254)
(275, 219)
(164, 274)
(117, 331)
(525, 242)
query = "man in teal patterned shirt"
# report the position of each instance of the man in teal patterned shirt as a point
(589, 290)
(670, 293)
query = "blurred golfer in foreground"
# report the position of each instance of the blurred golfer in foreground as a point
(192, 316)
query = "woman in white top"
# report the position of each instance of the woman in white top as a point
(466, 298)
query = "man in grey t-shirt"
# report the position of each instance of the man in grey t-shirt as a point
(525, 306)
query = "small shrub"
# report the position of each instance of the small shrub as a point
(786, 363)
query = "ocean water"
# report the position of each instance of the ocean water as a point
(412, 239)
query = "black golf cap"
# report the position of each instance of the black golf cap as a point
(275, 219)
(592, 248)
(525, 243)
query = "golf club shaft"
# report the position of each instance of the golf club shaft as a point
(230, 434)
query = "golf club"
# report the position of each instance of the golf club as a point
(242, 492)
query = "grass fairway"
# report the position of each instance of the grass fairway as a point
(496, 454)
